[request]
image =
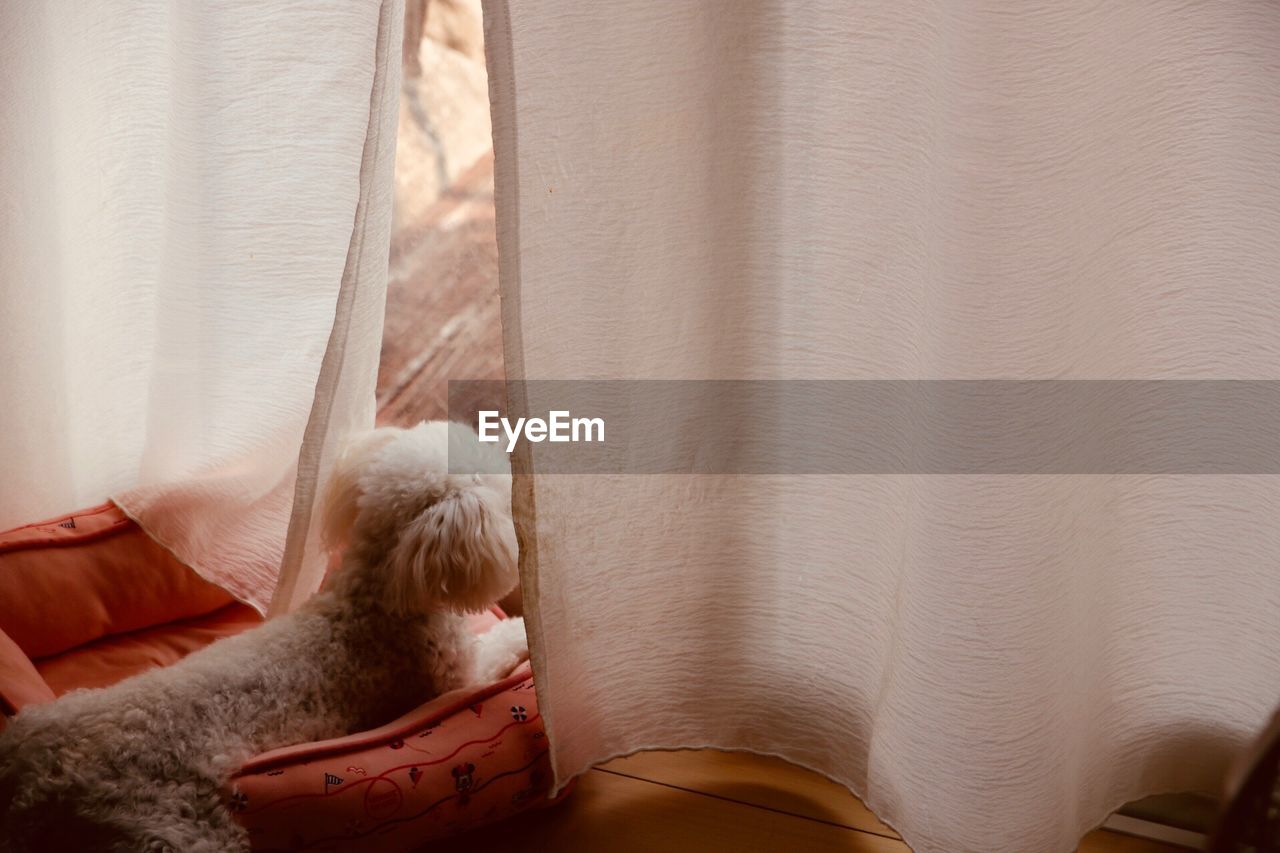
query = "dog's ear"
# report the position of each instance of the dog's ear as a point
(459, 553)
(342, 490)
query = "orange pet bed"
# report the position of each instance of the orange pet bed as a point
(75, 615)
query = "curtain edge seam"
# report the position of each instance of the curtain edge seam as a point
(500, 58)
(284, 596)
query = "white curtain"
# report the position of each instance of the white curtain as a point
(195, 206)
(899, 189)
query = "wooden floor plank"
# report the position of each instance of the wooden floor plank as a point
(1104, 841)
(755, 780)
(777, 785)
(618, 814)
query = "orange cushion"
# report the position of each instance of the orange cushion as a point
(113, 659)
(71, 580)
(20, 683)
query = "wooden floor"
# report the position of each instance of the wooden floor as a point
(682, 802)
(443, 323)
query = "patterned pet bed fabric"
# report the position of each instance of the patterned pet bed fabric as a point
(464, 759)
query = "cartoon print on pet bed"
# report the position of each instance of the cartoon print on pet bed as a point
(451, 769)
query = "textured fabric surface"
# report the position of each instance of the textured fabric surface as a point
(899, 190)
(467, 758)
(183, 186)
(20, 683)
(71, 580)
(115, 658)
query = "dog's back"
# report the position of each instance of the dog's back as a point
(146, 758)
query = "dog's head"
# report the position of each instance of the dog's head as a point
(430, 507)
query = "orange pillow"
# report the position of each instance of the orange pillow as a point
(111, 659)
(70, 580)
(20, 684)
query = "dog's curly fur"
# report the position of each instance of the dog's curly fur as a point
(140, 765)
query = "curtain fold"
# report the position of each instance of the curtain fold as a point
(898, 190)
(183, 187)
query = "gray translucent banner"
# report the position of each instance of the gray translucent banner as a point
(886, 426)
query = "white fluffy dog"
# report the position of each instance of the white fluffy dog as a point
(139, 765)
